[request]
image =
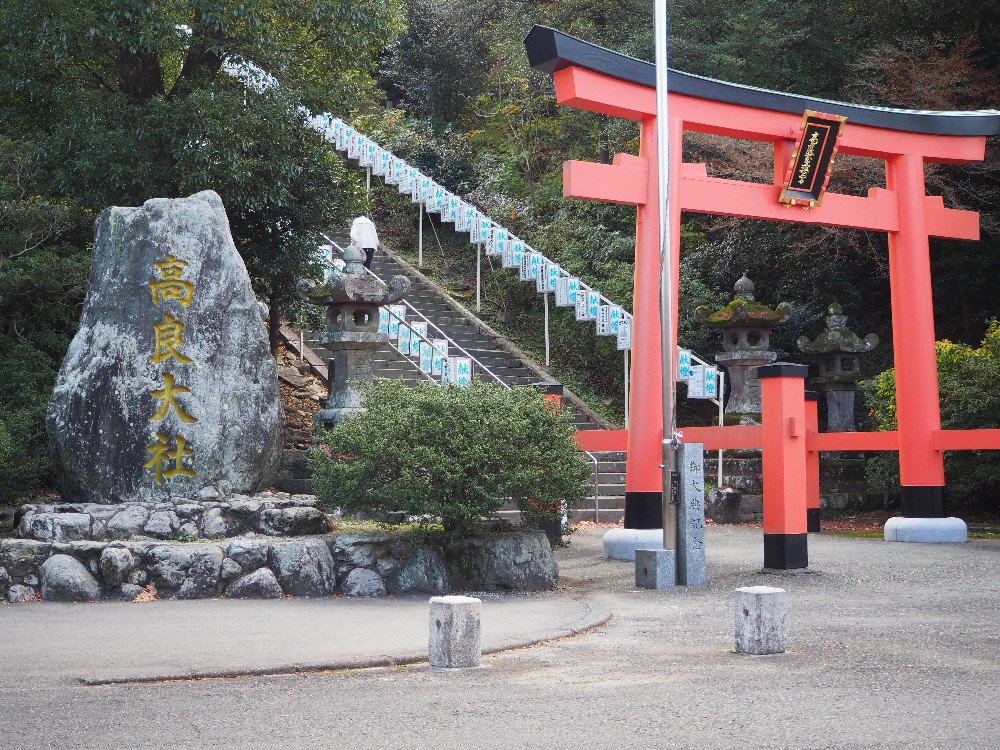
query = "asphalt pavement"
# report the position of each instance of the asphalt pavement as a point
(889, 645)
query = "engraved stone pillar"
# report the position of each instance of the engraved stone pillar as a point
(691, 515)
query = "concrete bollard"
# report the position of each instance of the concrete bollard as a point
(454, 640)
(760, 620)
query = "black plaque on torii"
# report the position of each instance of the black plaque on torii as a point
(809, 171)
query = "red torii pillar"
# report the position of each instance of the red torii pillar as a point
(594, 79)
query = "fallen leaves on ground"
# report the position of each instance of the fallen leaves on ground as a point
(148, 594)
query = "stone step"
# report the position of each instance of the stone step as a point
(611, 478)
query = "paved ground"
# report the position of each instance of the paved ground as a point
(890, 645)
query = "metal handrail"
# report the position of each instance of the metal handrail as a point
(320, 123)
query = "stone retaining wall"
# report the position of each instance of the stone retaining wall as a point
(209, 516)
(266, 567)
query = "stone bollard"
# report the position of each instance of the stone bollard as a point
(760, 620)
(655, 568)
(454, 640)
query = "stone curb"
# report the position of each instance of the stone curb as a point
(598, 614)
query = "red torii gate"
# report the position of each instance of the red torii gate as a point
(599, 80)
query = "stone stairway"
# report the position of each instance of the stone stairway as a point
(500, 358)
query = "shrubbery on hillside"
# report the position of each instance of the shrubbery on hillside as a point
(967, 379)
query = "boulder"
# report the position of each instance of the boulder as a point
(362, 551)
(249, 553)
(162, 524)
(22, 557)
(160, 393)
(187, 511)
(245, 506)
(116, 563)
(18, 594)
(423, 572)
(85, 551)
(304, 567)
(65, 579)
(54, 527)
(138, 577)
(364, 582)
(189, 571)
(218, 522)
(231, 570)
(518, 561)
(129, 523)
(206, 494)
(293, 522)
(127, 592)
(260, 584)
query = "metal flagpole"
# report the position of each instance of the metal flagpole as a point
(479, 276)
(669, 445)
(722, 418)
(626, 388)
(420, 236)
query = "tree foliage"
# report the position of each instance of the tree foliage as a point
(453, 453)
(43, 271)
(130, 100)
(913, 53)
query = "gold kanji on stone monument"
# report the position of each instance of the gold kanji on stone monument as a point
(164, 455)
(169, 336)
(166, 461)
(171, 286)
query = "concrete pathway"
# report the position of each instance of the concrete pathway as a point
(111, 642)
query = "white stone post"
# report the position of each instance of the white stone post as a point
(454, 639)
(760, 620)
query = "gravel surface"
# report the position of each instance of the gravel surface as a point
(890, 646)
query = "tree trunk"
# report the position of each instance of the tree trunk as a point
(274, 324)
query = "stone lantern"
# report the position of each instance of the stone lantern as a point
(352, 298)
(746, 339)
(838, 353)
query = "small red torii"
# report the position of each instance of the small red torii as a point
(599, 80)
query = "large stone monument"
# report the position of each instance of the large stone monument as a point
(169, 386)
(352, 298)
(838, 352)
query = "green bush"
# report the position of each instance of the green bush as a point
(967, 380)
(458, 454)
